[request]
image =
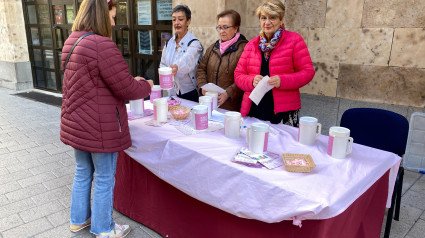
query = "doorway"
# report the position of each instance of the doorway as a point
(141, 30)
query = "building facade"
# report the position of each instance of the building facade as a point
(365, 50)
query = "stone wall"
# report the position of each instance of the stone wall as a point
(366, 50)
(15, 69)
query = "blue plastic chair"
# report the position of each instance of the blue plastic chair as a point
(384, 130)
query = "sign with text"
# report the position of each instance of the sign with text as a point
(163, 10)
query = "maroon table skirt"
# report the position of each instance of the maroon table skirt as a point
(145, 198)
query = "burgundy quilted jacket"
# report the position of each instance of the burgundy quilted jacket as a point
(290, 60)
(95, 86)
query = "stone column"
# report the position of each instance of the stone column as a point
(15, 67)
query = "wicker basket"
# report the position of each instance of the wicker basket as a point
(180, 112)
(291, 165)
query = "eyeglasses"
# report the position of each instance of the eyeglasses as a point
(271, 18)
(224, 28)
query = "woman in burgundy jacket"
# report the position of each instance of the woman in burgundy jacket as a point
(284, 57)
(96, 84)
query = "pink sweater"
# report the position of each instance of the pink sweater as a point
(290, 60)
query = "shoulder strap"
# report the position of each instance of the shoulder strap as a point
(190, 42)
(72, 49)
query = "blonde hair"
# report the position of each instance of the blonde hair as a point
(273, 8)
(94, 15)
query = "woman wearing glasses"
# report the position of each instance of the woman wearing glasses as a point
(221, 58)
(181, 53)
(283, 56)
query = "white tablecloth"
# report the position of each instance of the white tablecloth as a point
(200, 165)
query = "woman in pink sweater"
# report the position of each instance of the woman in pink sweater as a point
(283, 56)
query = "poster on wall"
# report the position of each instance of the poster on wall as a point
(163, 10)
(145, 42)
(144, 12)
(43, 14)
(58, 15)
(165, 36)
(69, 14)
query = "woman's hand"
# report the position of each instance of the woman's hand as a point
(138, 78)
(174, 68)
(203, 92)
(222, 98)
(275, 81)
(150, 82)
(256, 80)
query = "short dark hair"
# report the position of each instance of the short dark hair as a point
(236, 18)
(183, 8)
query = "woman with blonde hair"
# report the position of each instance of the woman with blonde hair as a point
(96, 84)
(283, 56)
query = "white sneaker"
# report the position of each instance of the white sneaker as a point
(118, 232)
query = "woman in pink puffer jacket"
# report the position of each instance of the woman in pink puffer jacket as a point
(284, 57)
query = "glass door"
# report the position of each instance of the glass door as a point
(152, 29)
(63, 12)
(142, 29)
(41, 43)
(121, 32)
(48, 24)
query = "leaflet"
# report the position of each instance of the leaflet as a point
(260, 90)
(269, 160)
(214, 88)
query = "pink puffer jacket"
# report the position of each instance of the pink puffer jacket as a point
(290, 60)
(95, 86)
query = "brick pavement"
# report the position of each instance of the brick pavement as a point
(36, 173)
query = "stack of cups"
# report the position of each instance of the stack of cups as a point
(137, 107)
(214, 96)
(200, 117)
(155, 93)
(207, 101)
(339, 139)
(257, 137)
(160, 109)
(233, 123)
(309, 130)
(165, 77)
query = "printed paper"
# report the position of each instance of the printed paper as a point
(213, 87)
(262, 88)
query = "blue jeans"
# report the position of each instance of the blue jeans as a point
(102, 166)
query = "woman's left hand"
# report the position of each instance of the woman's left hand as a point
(222, 98)
(275, 81)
